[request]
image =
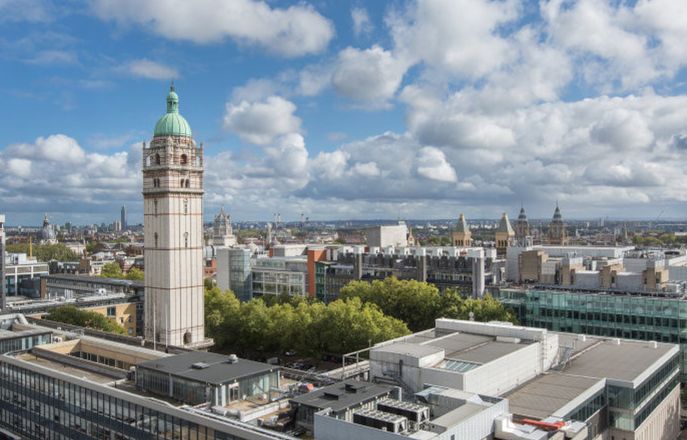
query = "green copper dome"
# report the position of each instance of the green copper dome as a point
(172, 123)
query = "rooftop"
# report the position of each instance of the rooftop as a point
(207, 367)
(342, 395)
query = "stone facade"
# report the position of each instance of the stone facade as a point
(173, 226)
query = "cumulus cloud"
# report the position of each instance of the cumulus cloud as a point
(293, 31)
(260, 122)
(146, 68)
(370, 75)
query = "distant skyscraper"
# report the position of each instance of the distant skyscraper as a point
(173, 228)
(122, 220)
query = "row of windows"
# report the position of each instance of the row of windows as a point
(157, 160)
(605, 317)
(40, 407)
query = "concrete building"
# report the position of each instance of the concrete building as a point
(173, 229)
(234, 271)
(72, 286)
(504, 237)
(461, 236)
(22, 275)
(617, 388)
(388, 235)
(469, 270)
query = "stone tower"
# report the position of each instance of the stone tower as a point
(222, 232)
(504, 236)
(462, 236)
(558, 234)
(522, 229)
(173, 227)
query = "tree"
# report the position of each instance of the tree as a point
(70, 314)
(135, 274)
(111, 270)
(419, 304)
(255, 329)
(413, 302)
(45, 252)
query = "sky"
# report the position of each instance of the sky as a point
(414, 109)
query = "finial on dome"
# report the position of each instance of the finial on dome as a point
(171, 86)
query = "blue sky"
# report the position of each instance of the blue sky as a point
(417, 108)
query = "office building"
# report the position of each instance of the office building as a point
(173, 228)
(22, 275)
(279, 276)
(638, 316)
(617, 388)
(234, 271)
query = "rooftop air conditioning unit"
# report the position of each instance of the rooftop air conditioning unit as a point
(232, 359)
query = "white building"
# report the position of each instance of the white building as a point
(388, 235)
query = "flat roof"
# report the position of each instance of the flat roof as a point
(547, 393)
(625, 361)
(342, 395)
(95, 280)
(487, 353)
(407, 348)
(11, 334)
(217, 368)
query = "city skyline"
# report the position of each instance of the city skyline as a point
(409, 110)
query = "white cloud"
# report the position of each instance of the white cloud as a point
(371, 75)
(361, 21)
(53, 58)
(432, 164)
(36, 11)
(457, 36)
(19, 167)
(292, 31)
(145, 68)
(260, 122)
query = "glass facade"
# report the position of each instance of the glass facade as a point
(239, 273)
(613, 315)
(37, 406)
(24, 342)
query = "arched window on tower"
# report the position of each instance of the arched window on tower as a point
(157, 159)
(188, 183)
(155, 239)
(184, 159)
(155, 206)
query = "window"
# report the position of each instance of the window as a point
(188, 183)
(157, 159)
(183, 160)
(185, 239)
(155, 239)
(155, 207)
(111, 311)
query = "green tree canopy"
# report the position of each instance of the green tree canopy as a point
(112, 270)
(45, 252)
(419, 304)
(254, 328)
(70, 314)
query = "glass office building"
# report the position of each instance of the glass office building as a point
(644, 317)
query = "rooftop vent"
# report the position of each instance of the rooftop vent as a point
(232, 359)
(199, 366)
